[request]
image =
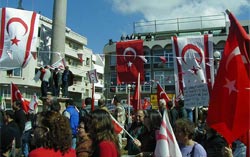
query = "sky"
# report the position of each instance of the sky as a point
(101, 20)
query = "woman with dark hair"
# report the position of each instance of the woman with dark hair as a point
(84, 144)
(147, 140)
(52, 135)
(184, 132)
(105, 140)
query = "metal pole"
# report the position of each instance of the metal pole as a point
(129, 86)
(58, 29)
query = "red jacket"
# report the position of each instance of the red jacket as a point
(42, 152)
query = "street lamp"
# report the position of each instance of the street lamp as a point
(129, 87)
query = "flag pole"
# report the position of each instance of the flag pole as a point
(93, 98)
(129, 88)
(122, 127)
(138, 91)
(11, 96)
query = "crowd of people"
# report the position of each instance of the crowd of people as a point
(54, 80)
(76, 132)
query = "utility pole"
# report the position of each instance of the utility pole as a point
(58, 30)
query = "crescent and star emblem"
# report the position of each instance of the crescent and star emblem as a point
(234, 53)
(191, 47)
(18, 20)
(129, 55)
(162, 92)
(16, 94)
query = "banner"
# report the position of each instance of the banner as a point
(92, 76)
(130, 61)
(19, 30)
(194, 68)
(44, 55)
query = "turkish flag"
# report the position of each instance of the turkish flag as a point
(130, 61)
(229, 105)
(136, 102)
(117, 127)
(146, 104)
(19, 30)
(16, 95)
(161, 94)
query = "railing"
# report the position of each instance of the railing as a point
(179, 24)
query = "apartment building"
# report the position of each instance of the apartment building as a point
(157, 42)
(78, 57)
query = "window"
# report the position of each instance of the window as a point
(88, 61)
(15, 72)
(147, 76)
(147, 55)
(159, 76)
(112, 60)
(157, 51)
(113, 79)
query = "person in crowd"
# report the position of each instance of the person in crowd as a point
(1, 117)
(57, 79)
(50, 99)
(147, 140)
(135, 130)
(172, 113)
(120, 116)
(27, 135)
(9, 116)
(102, 105)
(182, 113)
(72, 113)
(20, 116)
(52, 136)
(45, 76)
(239, 149)
(213, 142)
(184, 131)
(85, 109)
(8, 136)
(55, 106)
(200, 129)
(84, 144)
(101, 130)
(162, 106)
(67, 81)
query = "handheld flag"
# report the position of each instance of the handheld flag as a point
(229, 106)
(16, 95)
(166, 144)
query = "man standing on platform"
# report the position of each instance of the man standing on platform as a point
(45, 76)
(67, 80)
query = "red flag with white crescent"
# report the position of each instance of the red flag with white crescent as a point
(229, 106)
(16, 95)
(130, 61)
(19, 30)
(161, 94)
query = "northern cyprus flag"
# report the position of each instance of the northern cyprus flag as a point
(19, 30)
